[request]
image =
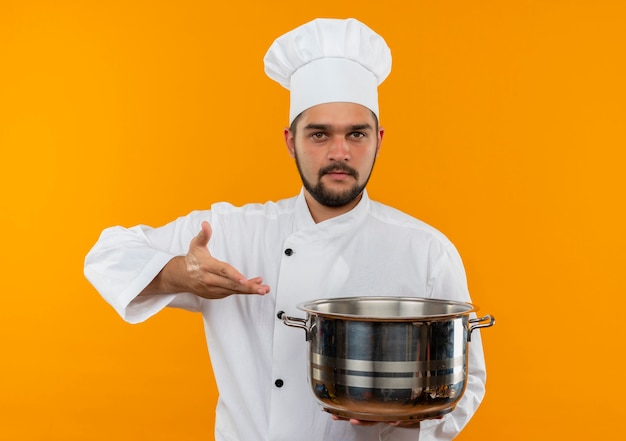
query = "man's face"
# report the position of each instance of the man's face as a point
(335, 147)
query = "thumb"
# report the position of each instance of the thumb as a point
(203, 237)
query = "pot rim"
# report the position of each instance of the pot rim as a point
(313, 307)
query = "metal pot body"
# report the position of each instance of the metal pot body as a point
(388, 359)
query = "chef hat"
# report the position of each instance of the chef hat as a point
(329, 60)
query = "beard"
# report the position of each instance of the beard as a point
(330, 198)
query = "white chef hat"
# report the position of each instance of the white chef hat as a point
(329, 60)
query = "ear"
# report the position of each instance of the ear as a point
(381, 133)
(290, 142)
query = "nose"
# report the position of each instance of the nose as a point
(339, 150)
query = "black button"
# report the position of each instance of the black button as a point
(279, 383)
(288, 251)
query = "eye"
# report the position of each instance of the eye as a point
(357, 135)
(318, 135)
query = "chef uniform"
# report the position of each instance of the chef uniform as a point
(260, 364)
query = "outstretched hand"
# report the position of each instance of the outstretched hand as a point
(213, 279)
(199, 273)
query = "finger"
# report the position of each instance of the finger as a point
(224, 275)
(218, 287)
(256, 286)
(203, 237)
(354, 421)
(219, 293)
(256, 281)
(229, 275)
(405, 424)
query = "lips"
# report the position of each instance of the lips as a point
(339, 172)
(338, 177)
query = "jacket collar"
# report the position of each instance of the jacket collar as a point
(304, 221)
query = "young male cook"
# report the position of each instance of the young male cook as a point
(240, 266)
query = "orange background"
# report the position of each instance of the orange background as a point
(505, 128)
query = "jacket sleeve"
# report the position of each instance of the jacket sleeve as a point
(452, 424)
(125, 260)
(450, 281)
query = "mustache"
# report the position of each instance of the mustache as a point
(340, 167)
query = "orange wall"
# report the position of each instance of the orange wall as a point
(505, 128)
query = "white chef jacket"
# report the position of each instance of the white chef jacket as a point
(372, 250)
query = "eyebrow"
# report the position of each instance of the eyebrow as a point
(327, 127)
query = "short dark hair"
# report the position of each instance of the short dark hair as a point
(294, 123)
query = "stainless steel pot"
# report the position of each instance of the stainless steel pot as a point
(388, 358)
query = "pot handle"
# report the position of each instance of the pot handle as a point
(482, 322)
(294, 322)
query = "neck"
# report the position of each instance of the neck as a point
(320, 212)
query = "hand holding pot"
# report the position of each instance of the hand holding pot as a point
(199, 273)
(421, 373)
(408, 424)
